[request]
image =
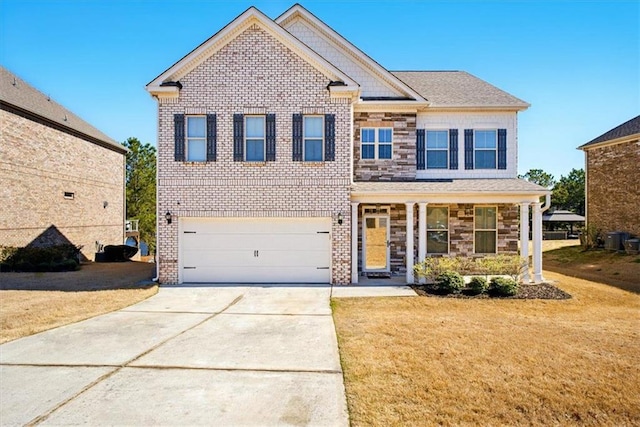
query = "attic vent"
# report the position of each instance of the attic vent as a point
(69, 195)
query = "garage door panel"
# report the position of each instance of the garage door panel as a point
(255, 250)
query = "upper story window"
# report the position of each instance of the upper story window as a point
(254, 138)
(195, 138)
(376, 143)
(437, 230)
(313, 135)
(485, 229)
(196, 149)
(437, 149)
(485, 149)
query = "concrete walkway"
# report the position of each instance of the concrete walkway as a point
(187, 356)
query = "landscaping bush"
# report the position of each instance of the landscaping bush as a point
(52, 258)
(449, 282)
(477, 285)
(503, 287)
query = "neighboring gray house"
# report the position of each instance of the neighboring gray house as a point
(286, 154)
(62, 180)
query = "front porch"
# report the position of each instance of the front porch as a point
(397, 224)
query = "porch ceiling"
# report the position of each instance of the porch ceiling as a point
(510, 190)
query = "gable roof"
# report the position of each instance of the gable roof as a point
(19, 97)
(627, 129)
(458, 89)
(297, 11)
(167, 82)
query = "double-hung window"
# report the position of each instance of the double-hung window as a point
(485, 234)
(376, 143)
(313, 135)
(254, 138)
(485, 149)
(437, 230)
(437, 149)
(196, 150)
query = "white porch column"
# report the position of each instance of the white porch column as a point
(409, 248)
(354, 242)
(524, 239)
(422, 233)
(537, 243)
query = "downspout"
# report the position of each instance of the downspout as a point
(547, 202)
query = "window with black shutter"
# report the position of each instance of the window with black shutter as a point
(453, 148)
(212, 136)
(238, 137)
(296, 138)
(420, 149)
(270, 138)
(502, 148)
(178, 137)
(468, 148)
(329, 137)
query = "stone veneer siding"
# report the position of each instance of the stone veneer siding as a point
(254, 74)
(39, 164)
(460, 232)
(613, 188)
(402, 165)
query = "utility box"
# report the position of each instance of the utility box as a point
(615, 241)
(632, 246)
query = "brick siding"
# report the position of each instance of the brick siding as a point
(613, 189)
(39, 164)
(254, 73)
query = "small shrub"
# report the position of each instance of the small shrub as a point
(503, 287)
(449, 282)
(477, 285)
(54, 258)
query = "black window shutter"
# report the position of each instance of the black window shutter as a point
(468, 148)
(212, 137)
(420, 149)
(502, 148)
(297, 137)
(238, 137)
(453, 148)
(329, 137)
(178, 136)
(271, 138)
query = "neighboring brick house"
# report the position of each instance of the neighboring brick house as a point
(286, 154)
(612, 187)
(62, 179)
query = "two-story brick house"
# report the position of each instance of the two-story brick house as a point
(286, 154)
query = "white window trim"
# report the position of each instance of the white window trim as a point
(495, 252)
(495, 150)
(304, 138)
(426, 148)
(264, 137)
(188, 140)
(434, 229)
(376, 142)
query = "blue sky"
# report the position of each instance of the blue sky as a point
(576, 62)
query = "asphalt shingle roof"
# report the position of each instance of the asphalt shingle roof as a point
(493, 186)
(18, 93)
(457, 89)
(628, 128)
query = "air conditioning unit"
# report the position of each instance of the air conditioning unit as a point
(615, 241)
(632, 246)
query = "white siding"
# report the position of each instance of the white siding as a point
(472, 120)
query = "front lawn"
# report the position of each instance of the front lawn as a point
(430, 361)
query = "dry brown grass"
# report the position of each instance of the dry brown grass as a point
(24, 313)
(436, 361)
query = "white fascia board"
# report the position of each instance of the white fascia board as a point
(381, 106)
(250, 17)
(469, 108)
(621, 140)
(348, 47)
(445, 198)
(163, 91)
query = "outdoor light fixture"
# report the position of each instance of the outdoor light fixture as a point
(340, 218)
(168, 217)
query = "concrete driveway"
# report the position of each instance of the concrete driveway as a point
(187, 356)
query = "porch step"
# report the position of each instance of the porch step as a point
(378, 275)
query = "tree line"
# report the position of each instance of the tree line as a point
(566, 193)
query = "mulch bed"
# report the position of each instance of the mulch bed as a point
(536, 291)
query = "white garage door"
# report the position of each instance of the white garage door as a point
(255, 250)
